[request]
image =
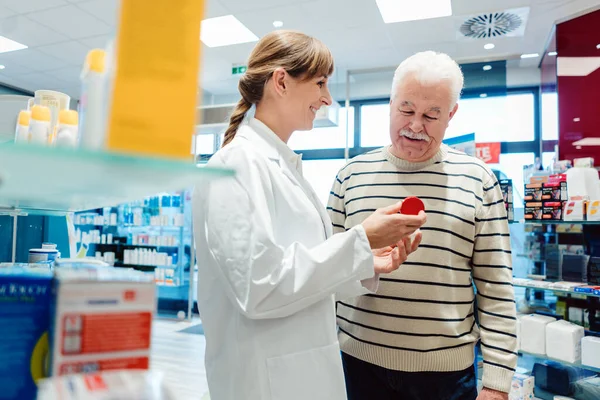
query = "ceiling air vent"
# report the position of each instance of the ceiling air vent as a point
(496, 24)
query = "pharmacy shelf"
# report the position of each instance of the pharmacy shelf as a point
(55, 181)
(546, 358)
(548, 287)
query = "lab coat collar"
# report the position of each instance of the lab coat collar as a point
(290, 163)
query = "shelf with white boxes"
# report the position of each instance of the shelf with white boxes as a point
(541, 357)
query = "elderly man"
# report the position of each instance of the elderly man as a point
(414, 339)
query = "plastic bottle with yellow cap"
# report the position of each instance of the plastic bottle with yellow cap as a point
(68, 126)
(22, 130)
(39, 125)
(93, 100)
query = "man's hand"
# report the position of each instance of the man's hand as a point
(389, 259)
(489, 394)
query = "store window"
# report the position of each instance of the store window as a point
(326, 138)
(321, 174)
(549, 116)
(495, 119)
(511, 167)
(375, 125)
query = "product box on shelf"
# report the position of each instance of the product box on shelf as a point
(563, 341)
(535, 339)
(533, 192)
(507, 192)
(593, 210)
(25, 298)
(533, 211)
(101, 320)
(555, 191)
(590, 351)
(575, 210)
(552, 211)
(522, 387)
(594, 271)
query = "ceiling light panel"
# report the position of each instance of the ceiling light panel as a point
(401, 11)
(7, 45)
(225, 31)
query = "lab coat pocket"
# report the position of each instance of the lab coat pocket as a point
(315, 374)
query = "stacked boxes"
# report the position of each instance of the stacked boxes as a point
(545, 200)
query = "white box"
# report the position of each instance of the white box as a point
(563, 341)
(522, 387)
(590, 351)
(101, 320)
(533, 333)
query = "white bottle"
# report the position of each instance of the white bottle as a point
(93, 101)
(22, 131)
(39, 125)
(68, 126)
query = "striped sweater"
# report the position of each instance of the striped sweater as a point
(422, 317)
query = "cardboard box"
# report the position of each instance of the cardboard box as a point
(555, 191)
(533, 211)
(101, 320)
(552, 211)
(507, 193)
(563, 341)
(533, 192)
(522, 387)
(25, 298)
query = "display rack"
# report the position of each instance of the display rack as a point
(540, 357)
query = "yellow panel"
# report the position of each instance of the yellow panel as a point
(155, 84)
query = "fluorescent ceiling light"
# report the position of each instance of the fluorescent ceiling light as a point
(483, 95)
(7, 45)
(553, 54)
(225, 31)
(530, 55)
(401, 11)
(598, 46)
(277, 24)
(576, 119)
(489, 46)
(591, 141)
(2, 66)
(576, 66)
(487, 67)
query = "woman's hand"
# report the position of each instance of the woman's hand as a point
(389, 259)
(386, 226)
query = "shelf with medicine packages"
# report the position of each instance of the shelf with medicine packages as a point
(152, 235)
(556, 267)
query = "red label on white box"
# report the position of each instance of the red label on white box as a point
(94, 382)
(105, 333)
(69, 368)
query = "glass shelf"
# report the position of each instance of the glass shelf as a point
(54, 181)
(553, 222)
(546, 358)
(552, 289)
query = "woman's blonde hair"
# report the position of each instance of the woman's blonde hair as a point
(302, 57)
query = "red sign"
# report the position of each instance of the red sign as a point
(488, 152)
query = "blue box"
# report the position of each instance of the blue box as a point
(25, 300)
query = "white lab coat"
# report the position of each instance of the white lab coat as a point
(267, 276)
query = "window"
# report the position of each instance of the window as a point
(549, 116)
(375, 125)
(321, 174)
(511, 165)
(204, 144)
(326, 138)
(495, 119)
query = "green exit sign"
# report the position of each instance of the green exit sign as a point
(238, 69)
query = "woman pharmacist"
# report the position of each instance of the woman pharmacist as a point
(269, 266)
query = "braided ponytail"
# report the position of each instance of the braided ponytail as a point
(300, 55)
(236, 119)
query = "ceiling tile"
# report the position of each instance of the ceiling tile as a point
(96, 42)
(40, 81)
(69, 75)
(28, 32)
(105, 10)
(214, 9)
(5, 12)
(71, 52)
(239, 6)
(27, 6)
(35, 60)
(71, 21)
(14, 69)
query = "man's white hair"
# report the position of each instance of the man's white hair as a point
(431, 68)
